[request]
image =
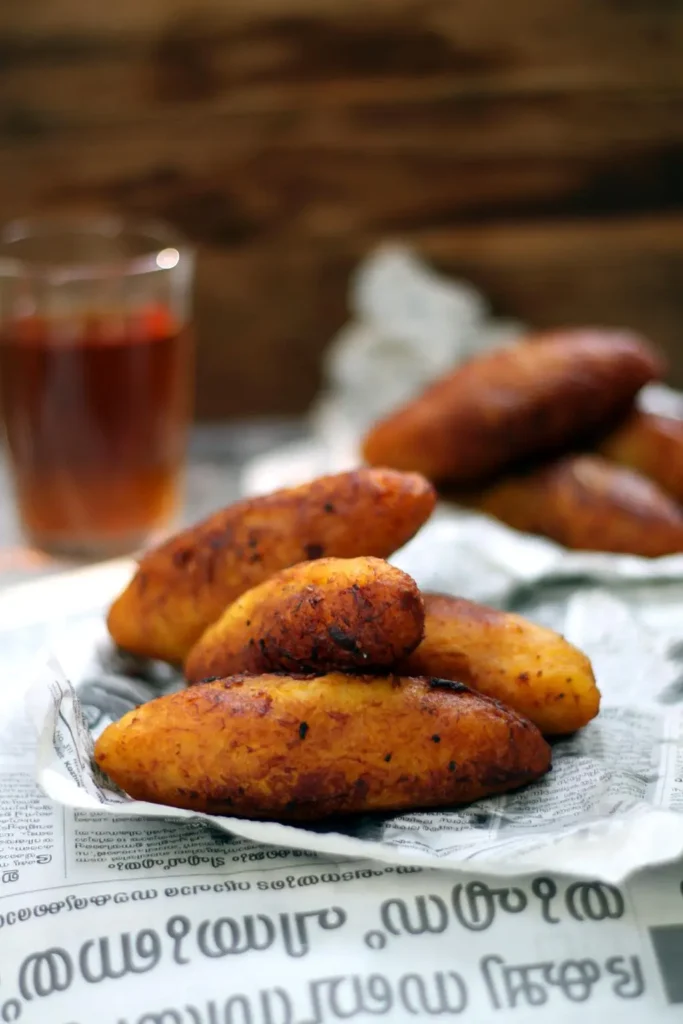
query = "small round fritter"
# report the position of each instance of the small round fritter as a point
(349, 614)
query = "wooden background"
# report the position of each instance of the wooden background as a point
(535, 147)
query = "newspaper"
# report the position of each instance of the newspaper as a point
(560, 903)
(613, 802)
(139, 919)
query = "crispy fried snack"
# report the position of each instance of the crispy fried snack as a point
(335, 613)
(184, 586)
(652, 445)
(305, 748)
(587, 503)
(539, 396)
(533, 670)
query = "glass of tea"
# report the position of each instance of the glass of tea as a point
(96, 378)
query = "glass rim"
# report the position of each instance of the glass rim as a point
(167, 247)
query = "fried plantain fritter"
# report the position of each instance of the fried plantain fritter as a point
(540, 396)
(305, 748)
(587, 503)
(653, 446)
(532, 670)
(351, 614)
(185, 585)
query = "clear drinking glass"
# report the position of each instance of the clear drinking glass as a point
(96, 379)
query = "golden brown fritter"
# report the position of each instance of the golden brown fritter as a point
(587, 503)
(185, 585)
(540, 396)
(352, 614)
(652, 445)
(533, 670)
(306, 748)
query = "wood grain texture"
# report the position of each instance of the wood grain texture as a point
(536, 148)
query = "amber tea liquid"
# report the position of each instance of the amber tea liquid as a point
(96, 419)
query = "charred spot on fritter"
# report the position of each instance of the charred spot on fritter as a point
(448, 684)
(343, 640)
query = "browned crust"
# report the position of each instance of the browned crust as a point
(304, 749)
(184, 585)
(454, 662)
(530, 668)
(652, 445)
(347, 614)
(587, 503)
(537, 397)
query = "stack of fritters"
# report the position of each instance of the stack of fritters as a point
(334, 685)
(545, 436)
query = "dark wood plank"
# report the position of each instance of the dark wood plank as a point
(574, 43)
(230, 185)
(267, 312)
(535, 147)
(76, 76)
